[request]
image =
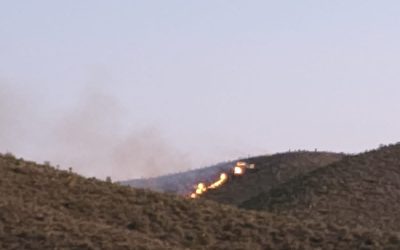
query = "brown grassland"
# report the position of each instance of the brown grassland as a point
(45, 208)
(269, 172)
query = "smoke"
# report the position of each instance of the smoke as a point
(150, 152)
(94, 137)
(97, 140)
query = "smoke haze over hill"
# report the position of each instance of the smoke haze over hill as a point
(194, 83)
(90, 137)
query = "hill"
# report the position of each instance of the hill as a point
(269, 172)
(180, 183)
(358, 190)
(44, 208)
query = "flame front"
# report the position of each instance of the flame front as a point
(222, 178)
(201, 187)
(237, 170)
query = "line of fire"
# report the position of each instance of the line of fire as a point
(238, 169)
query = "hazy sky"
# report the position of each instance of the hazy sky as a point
(140, 88)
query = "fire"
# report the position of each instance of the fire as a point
(240, 167)
(237, 170)
(222, 178)
(201, 188)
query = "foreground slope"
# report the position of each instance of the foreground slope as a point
(269, 172)
(43, 208)
(359, 190)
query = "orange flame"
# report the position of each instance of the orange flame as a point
(222, 178)
(201, 188)
(237, 170)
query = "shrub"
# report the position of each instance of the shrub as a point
(9, 155)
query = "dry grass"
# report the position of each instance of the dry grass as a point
(270, 172)
(361, 190)
(44, 208)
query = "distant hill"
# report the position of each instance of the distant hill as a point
(271, 169)
(269, 172)
(180, 183)
(44, 208)
(361, 190)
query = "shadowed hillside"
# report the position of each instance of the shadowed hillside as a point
(359, 190)
(269, 172)
(43, 208)
(180, 183)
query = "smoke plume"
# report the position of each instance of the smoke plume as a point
(93, 137)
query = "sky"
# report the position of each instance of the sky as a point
(131, 89)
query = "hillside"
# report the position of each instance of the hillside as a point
(179, 183)
(359, 190)
(269, 172)
(44, 208)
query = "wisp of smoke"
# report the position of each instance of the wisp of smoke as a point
(91, 138)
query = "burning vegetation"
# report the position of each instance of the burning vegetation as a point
(238, 169)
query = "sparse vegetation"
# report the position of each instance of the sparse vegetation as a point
(45, 208)
(270, 171)
(361, 190)
(9, 155)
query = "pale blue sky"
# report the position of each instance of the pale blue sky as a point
(206, 81)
